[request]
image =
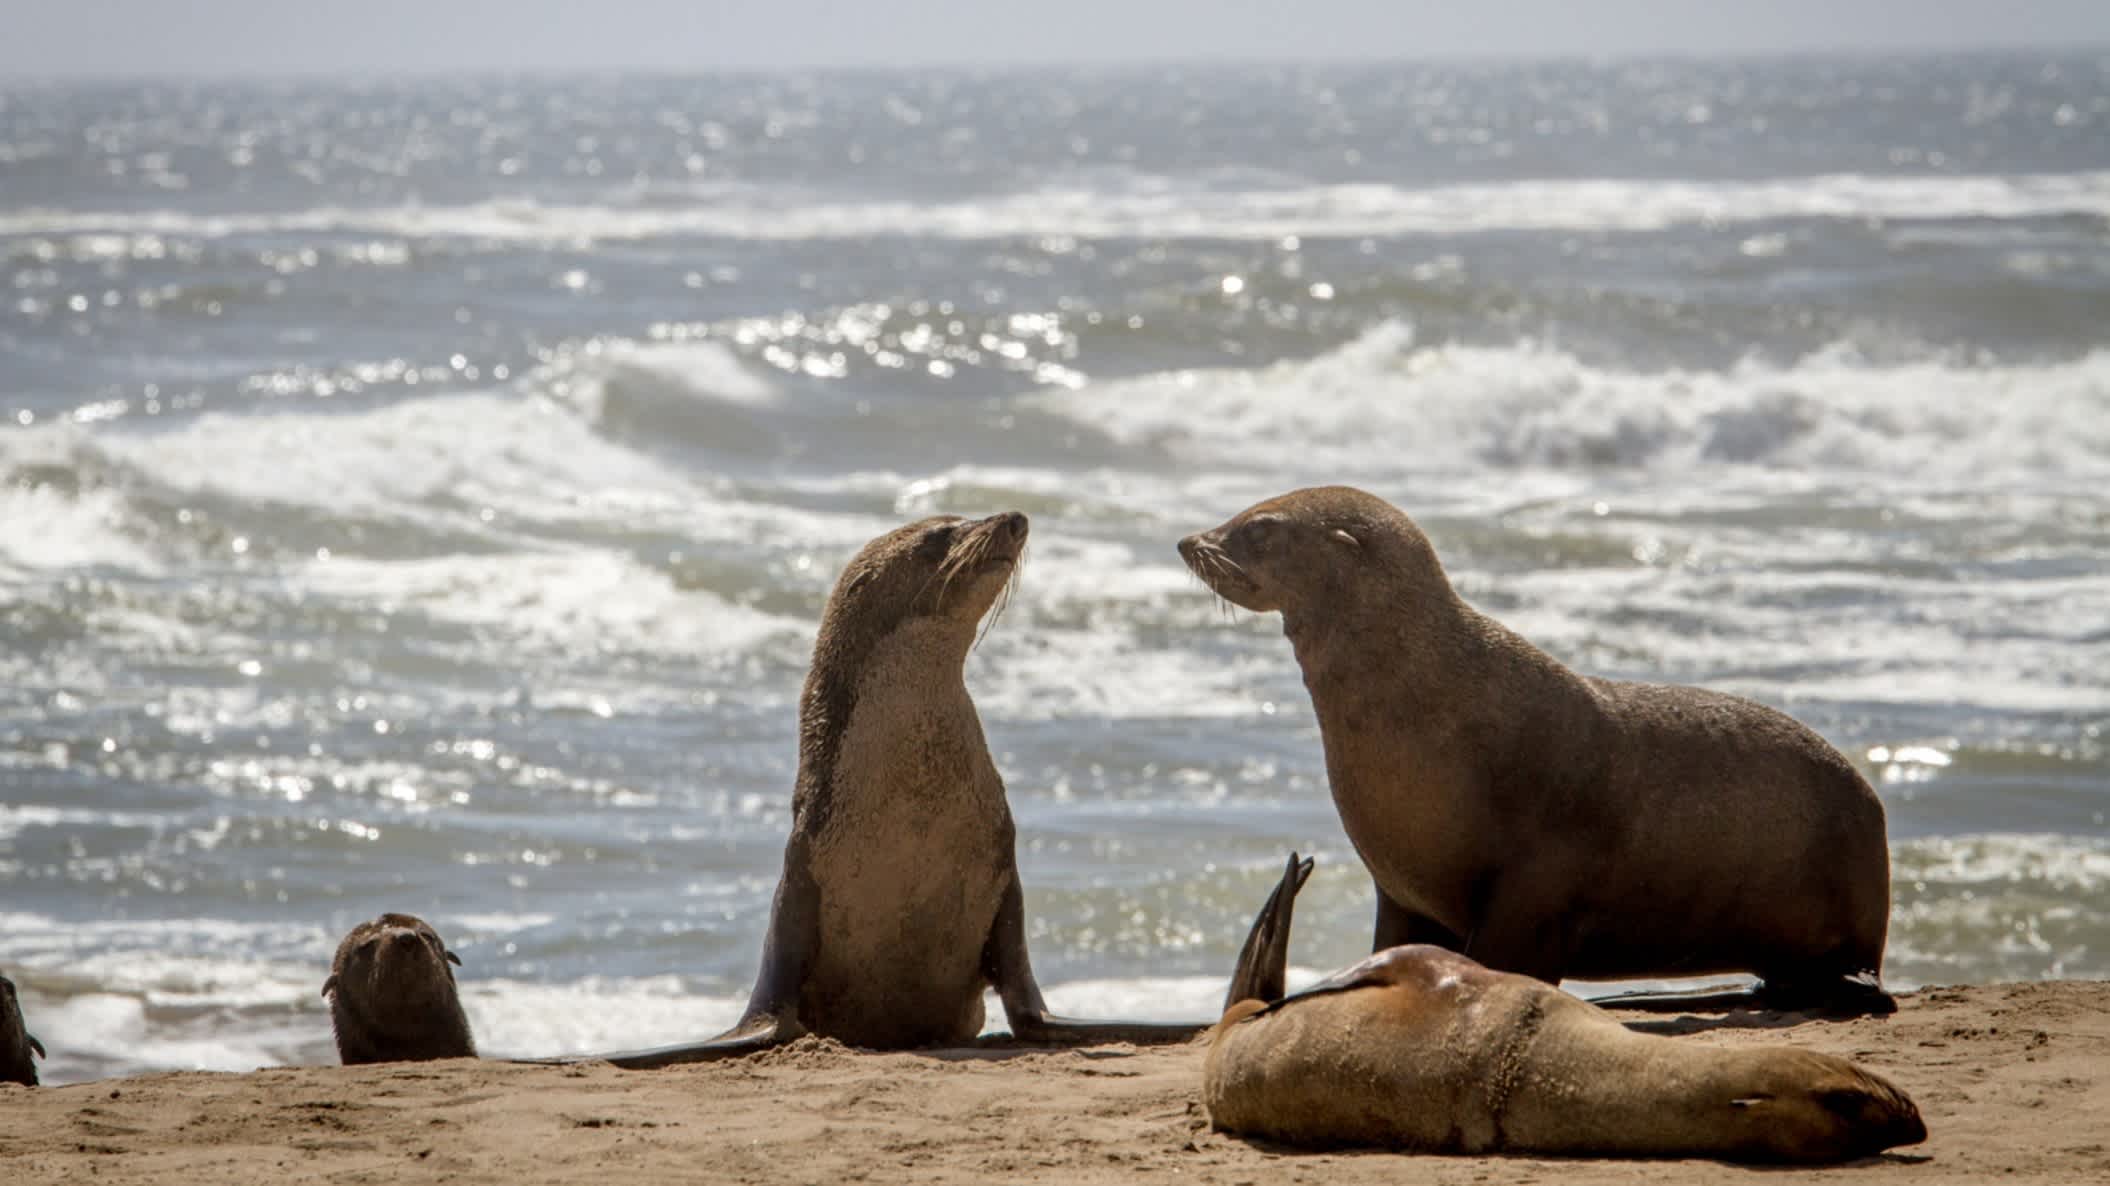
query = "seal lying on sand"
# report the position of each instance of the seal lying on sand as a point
(16, 1042)
(392, 995)
(1421, 1048)
(900, 900)
(1545, 822)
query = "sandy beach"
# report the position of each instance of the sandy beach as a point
(2014, 1081)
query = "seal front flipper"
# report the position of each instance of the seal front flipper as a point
(1010, 970)
(1858, 995)
(1263, 963)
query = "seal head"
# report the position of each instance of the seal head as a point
(392, 994)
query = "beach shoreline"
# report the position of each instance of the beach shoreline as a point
(2005, 1074)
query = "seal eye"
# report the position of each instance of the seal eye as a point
(935, 544)
(1261, 533)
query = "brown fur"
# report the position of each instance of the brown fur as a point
(1419, 1048)
(392, 995)
(1542, 821)
(16, 1042)
(899, 810)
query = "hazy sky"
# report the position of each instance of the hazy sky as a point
(41, 38)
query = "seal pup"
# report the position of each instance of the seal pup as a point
(1545, 822)
(900, 900)
(1421, 1048)
(16, 1042)
(392, 996)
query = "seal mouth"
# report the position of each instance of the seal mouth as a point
(1207, 560)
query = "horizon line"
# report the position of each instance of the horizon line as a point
(343, 74)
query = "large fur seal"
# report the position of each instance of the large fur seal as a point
(1545, 822)
(16, 1042)
(392, 996)
(1421, 1048)
(900, 900)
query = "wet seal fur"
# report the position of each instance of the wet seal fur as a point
(900, 898)
(1545, 822)
(392, 995)
(16, 1042)
(1421, 1048)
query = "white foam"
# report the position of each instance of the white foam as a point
(587, 599)
(1156, 207)
(1381, 406)
(525, 456)
(44, 529)
(525, 1019)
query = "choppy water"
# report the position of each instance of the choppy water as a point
(420, 495)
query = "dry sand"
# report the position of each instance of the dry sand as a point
(2014, 1081)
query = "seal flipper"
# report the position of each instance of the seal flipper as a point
(772, 1008)
(1858, 995)
(36, 1045)
(1009, 968)
(1263, 963)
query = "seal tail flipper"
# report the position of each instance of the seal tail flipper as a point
(1263, 963)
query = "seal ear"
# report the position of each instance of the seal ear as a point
(1342, 535)
(329, 985)
(453, 958)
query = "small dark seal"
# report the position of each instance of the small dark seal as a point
(16, 1042)
(392, 996)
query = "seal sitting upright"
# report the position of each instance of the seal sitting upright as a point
(1421, 1048)
(16, 1042)
(900, 900)
(1545, 822)
(392, 995)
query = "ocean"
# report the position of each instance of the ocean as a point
(420, 494)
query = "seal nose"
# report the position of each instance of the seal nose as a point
(1188, 546)
(1009, 526)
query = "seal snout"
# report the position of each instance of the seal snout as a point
(1007, 528)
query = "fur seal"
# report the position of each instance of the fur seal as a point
(392, 995)
(1421, 1048)
(1545, 822)
(16, 1042)
(900, 899)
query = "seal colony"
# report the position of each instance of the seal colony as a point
(1420, 1048)
(1516, 817)
(900, 898)
(392, 995)
(16, 1042)
(1548, 823)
